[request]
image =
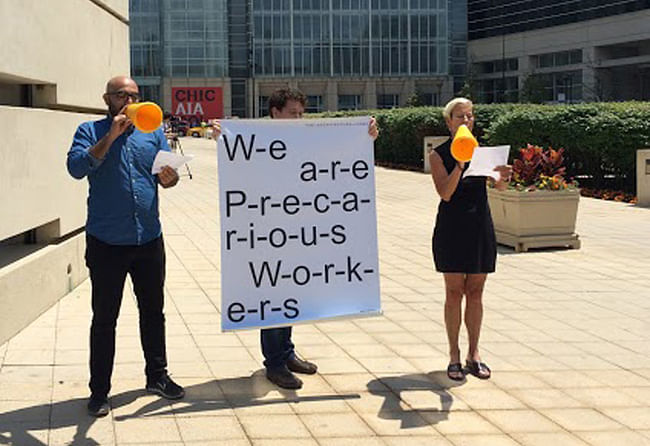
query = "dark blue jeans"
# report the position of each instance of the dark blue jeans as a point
(277, 347)
(109, 265)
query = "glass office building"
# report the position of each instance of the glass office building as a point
(341, 53)
(489, 18)
(559, 51)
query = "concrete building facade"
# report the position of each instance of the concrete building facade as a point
(54, 65)
(344, 54)
(559, 51)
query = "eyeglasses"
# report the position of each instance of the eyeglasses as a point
(123, 95)
(469, 116)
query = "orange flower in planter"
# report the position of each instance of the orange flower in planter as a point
(537, 168)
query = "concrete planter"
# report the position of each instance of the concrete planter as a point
(536, 219)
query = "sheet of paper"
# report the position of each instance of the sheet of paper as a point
(485, 159)
(170, 159)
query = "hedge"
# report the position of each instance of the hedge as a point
(600, 139)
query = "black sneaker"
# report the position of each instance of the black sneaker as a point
(166, 388)
(98, 406)
(282, 377)
(298, 365)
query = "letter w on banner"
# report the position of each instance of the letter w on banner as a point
(298, 221)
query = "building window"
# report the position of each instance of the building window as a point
(497, 66)
(314, 104)
(499, 90)
(263, 106)
(428, 99)
(558, 59)
(349, 102)
(387, 100)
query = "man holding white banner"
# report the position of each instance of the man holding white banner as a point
(298, 226)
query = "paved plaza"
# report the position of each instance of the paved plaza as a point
(566, 333)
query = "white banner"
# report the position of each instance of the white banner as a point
(298, 221)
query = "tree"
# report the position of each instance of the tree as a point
(532, 89)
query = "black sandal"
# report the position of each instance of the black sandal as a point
(453, 370)
(478, 369)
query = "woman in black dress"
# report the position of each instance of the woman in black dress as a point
(464, 244)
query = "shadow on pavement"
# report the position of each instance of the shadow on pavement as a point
(434, 382)
(230, 393)
(15, 426)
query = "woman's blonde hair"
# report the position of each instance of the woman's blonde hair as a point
(446, 112)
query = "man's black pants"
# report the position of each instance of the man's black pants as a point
(109, 265)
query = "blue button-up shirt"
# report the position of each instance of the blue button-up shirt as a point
(123, 193)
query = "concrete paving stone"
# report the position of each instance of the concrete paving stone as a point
(616, 378)
(147, 430)
(524, 420)
(35, 412)
(71, 357)
(602, 397)
(285, 442)
(138, 404)
(83, 430)
(339, 365)
(373, 350)
(17, 433)
(376, 402)
(314, 404)
(482, 439)
(416, 441)
(202, 408)
(24, 356)
(220, 340)
(640, 394)
(355, 382)
(208, 428)
(314, 352)
(487, 398)
(548, 438)
(336, 425)
(419, 351)
(461, 422)
(224, 354)
(229, 442)
(390, 364)
(349, 339)
(409, 423)
(582, 419)
(10, 391)
(623, 437)
(568, 379)
(395, 339)
(545, 398)
(632, 417)
(516, 380)
(66, 390)
(234, 368)
(337, 327)
(353, 441)
(274, 426)
(182, 370)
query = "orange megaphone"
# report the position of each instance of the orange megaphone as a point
(146, 116)
(463, 145)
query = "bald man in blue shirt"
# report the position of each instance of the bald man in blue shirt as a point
(123, 236)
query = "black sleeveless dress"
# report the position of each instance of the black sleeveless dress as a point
(463, 238)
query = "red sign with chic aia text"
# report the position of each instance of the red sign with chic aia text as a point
(204, 102)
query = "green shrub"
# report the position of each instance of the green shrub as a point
(599, 138)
